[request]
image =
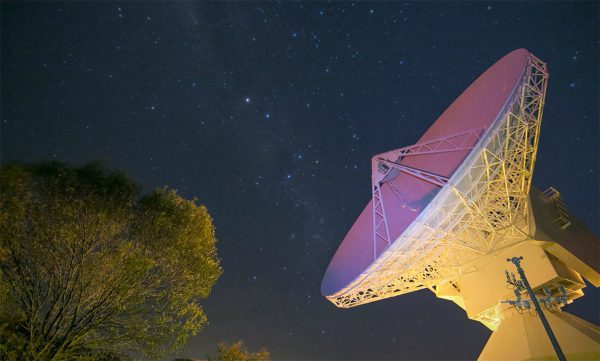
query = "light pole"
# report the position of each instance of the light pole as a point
(559, 353)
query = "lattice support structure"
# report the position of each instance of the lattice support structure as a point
(481, 209)
(385, 164)
(381, 232)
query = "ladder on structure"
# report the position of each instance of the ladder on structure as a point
(563, 220)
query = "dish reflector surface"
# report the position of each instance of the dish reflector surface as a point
(466, 119)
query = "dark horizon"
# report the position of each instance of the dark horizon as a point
(269, 114)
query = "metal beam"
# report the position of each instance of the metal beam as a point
(429, 177)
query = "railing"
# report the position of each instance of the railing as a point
(563, 220)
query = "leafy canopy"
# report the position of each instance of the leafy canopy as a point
(237, 352)
(91, 270)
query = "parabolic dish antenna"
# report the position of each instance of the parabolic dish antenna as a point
(447, 211)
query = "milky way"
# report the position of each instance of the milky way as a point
(269, 113)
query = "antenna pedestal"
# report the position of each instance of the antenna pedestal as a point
(518, 333)
(479, 292)
(521, 336)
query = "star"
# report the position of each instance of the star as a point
(264, 132)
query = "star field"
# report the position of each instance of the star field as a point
(269, 113)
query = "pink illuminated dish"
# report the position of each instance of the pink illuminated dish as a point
(477, 108)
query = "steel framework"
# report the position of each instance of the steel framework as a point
(481, 209)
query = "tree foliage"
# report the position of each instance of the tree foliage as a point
(89, 269)
(237, 352)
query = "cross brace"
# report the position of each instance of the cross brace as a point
(429, 177)
(450, 143)
(382, 166)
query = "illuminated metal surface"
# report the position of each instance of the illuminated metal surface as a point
(481, 208)
(447, 212)
(406, 180)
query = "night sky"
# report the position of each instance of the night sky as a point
(269, 113)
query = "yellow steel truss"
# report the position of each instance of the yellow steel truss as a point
(482, 209)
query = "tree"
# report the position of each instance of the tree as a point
(89, 269)
(237, 352)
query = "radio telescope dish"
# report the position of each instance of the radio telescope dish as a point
(446, 210)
